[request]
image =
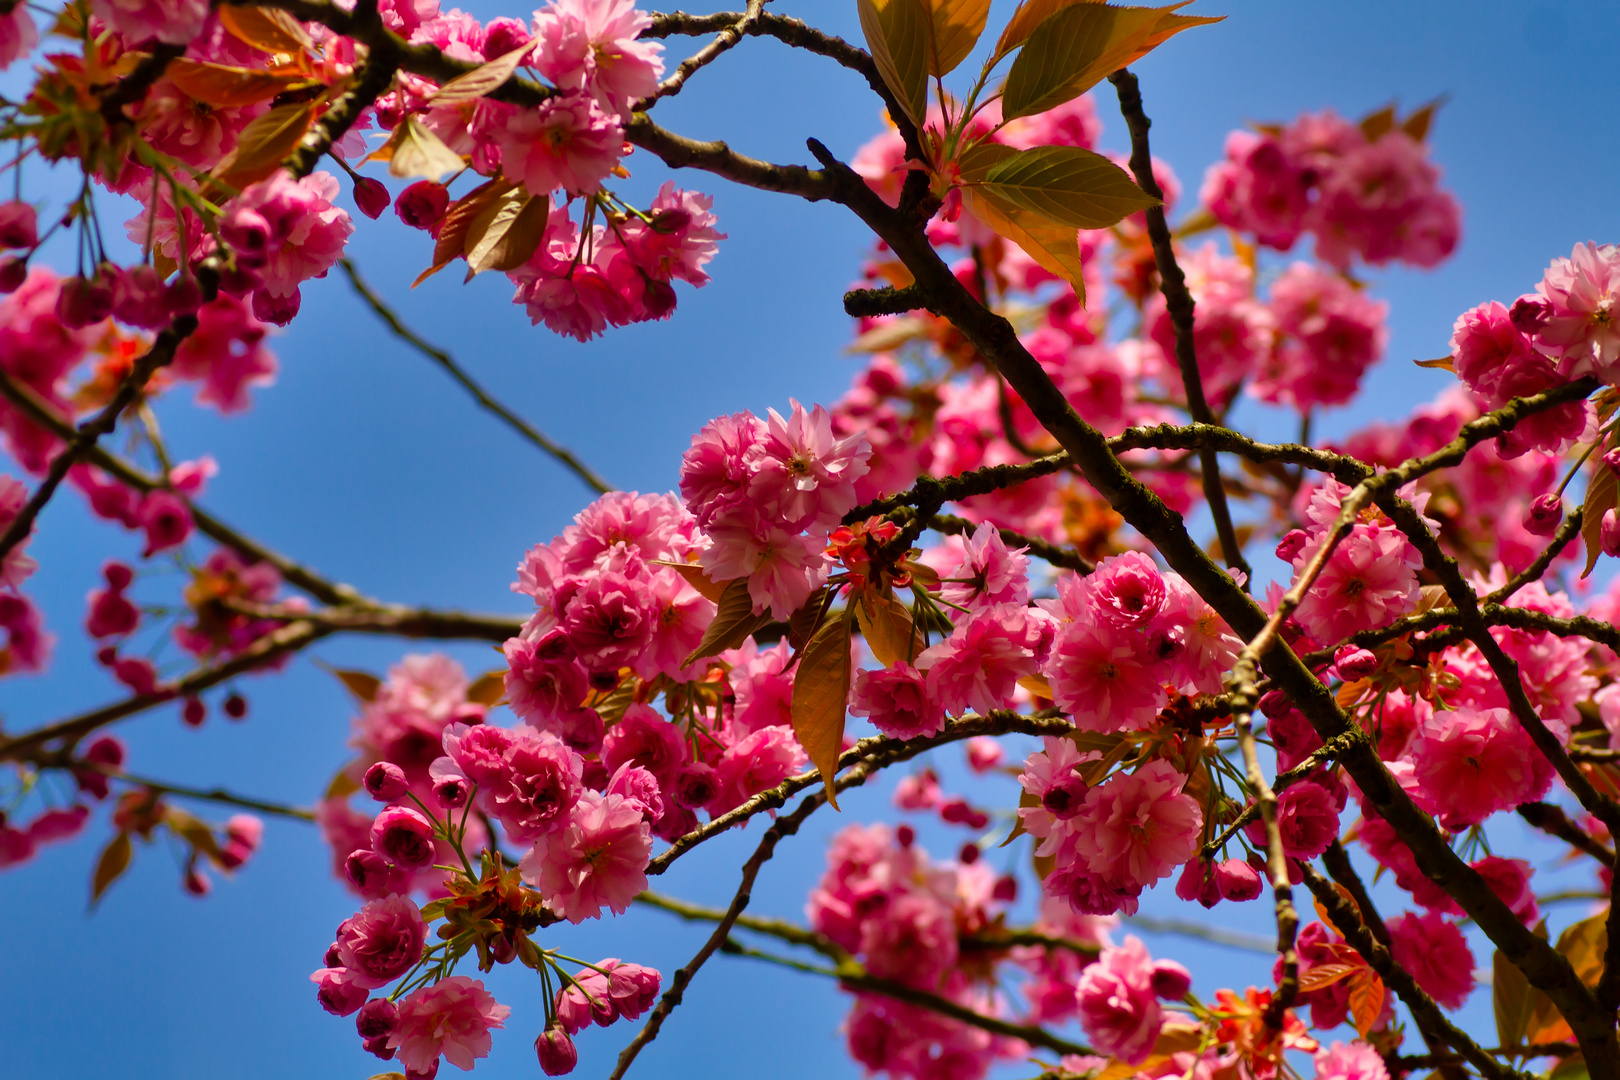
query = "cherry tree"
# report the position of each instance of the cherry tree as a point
(995, 538)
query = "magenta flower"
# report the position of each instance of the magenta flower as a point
(1434, 951)
(404, 837)
(989, 574)
(1102, 678)
(567, 142)
(599, 859)
(382, 941)
(1350, 1061)
(541, 788)
(897, 701)
(1118, 1007)
(979, 665)
(1137, 827)
(802, 476)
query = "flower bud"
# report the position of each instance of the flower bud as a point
(336, 993)
(1171, 981)
(1542, 516)
(422, 205)
(137, 673)
(672, 220)
(1612, 460)
(197, 883)
(19, 226)
(1291, 545)
(905, 835)
(13, 272)
(1237, 880)
(111, 615)
(371, 198)
(376, 1017)
(271, 308)
(556, 1051)
(235, 706)
(1354, 662)
(404, 837)
(83, 302)
(425, 1074)
(504, 34)
(385, 781)
(368, 872)
(1609, 533)
(140, 298)
(1005, 889)
(968, 855)
(659, 299)
(696, 785)
(193, 712)
(119, 575)
(1197, 882)
(184, 296)
(247, 233)
(378, 1046)
(1529, 314)
(166, 520)
(451, 792)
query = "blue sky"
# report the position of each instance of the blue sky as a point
(366, 463)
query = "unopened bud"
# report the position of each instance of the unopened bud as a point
(1171, 981)
(385, 781)
(1609, 533)
(371, 198)
(19, 226)
(556, 1052)
(83, 302)
(1542, 516)
(1529, 314)
(1354, 662)
(13, 272)
(1291, 545)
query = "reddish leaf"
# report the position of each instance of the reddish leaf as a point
(451, 242)
(265, 143)
(1366, 1000)
(269, 30)
(227, 87)
(1320, 976)
(488, 688)
(362, 684)
(732, 623)
(482, 79)
(110, 866)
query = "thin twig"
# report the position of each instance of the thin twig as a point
(561, 454)
(215, 795)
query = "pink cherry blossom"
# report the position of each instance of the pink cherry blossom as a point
(1369, 581)
(679, 240)
(174, 22)
(452, 1017)
(782, 568)
(382, 941)
(1102, 677)
(1126, 591)
(591, 44)
(1118, 1007)
(1137, 827)
(898, 701)
(979, 665)
(801, 476)
(18, 35)
(567, 142)
(1434, 951)
(989, 572)
(1350, 1061)
(226, 354)
(598, 859)
(754, 764)
(1472, 763)
(1582, 329)
(306, 233)
(714, 472)
(541, 786)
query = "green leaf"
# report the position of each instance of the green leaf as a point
(954, 27)
(506, 232)
(110, 866)
(481, 80)
(820, 695)
(1602, 492)
(1074, 46)
(732, 624)
(1056, 247)
(1068, 185)
(976, 161)
(420, 153)
(897, 34)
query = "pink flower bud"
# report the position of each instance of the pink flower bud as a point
(696, 785)
(968, 855)
(197, 883)
(1237, 880)
(1005, 889)
(111, 614)
(378, 1045)
(119, 575)
(371, 198)
(337, 994)
(556, 1051)
(385, 781)
(55, 825)
(184, 296)
(983, 754)
(1170, 980)
(83, 302)
(1542, 516)
(1354, 662)
(19, 227)
(451, 792)
(1529, 314)
(404, 837)
(248, 234)
(905, 835)
(137, 673)
(504, 34)
(140, 298)
(1292, 543)
(376, 1017)
(270, 308)
(957, 811)
(235, 706)
(245, 831)
(659, 299)
(13, 272)
(1197, 882)
(166, 520)
(1609, 533)
(368, 872)
(422, 205)
(193, 712)
(1612, 460)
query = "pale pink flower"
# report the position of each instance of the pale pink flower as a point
(897, 701)
(652, 526)
(1102, 677)
(1490, 353)
(989, 574)
(306, 233)
(782, 568)
(681, 238)
(452, 1017)
(1119, 1010)
(382, 941)
(1583, 329)
(1138, 827)
(912, 939)
(174, 22)
(979, 665)
(1435, 953)
(592, 44)
(225, 354)
(598, 859)
(18, 35)
(566, 142)
(1350, 1061)
(802, 476)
